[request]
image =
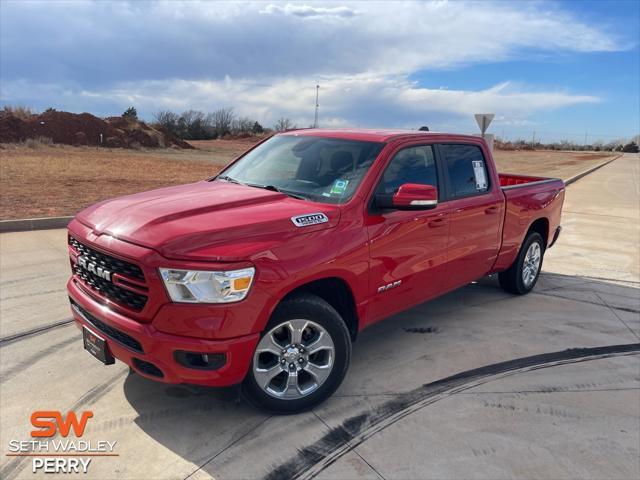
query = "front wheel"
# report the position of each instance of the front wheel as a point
(523, 275)
(301, 358)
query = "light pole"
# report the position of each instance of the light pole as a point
(315, 121)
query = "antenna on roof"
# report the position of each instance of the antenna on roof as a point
(315, 121)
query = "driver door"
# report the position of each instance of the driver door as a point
(408, 249)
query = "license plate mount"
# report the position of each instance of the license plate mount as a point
(97, 346)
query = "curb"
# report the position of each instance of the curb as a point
(28, 224)
(590, 170)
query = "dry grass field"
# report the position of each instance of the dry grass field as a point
(547, 163)
(60, 180)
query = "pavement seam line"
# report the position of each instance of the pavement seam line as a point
(34, 331)
(598, 215)
(360, 427)
(353, 449)
(369, 395)
(630, 310)
(231, 444)
(616, 315)
(313, 472)
(589, 390)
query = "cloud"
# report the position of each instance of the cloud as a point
(263, 59)
(362, 100)
(90, 43)
(308, 11)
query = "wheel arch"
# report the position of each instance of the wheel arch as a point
(337, 292)
(540, 225)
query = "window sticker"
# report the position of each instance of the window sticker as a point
(480, 174)
(339, 187)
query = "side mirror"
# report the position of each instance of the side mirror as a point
(410, 196)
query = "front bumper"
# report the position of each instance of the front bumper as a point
(139, 344)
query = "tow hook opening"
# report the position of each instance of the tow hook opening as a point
(200, 360)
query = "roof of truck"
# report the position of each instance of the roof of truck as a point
(371, 135)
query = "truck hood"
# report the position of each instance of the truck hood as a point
(210, 221)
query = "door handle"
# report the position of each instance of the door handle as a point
(438, 222)
(492, 210)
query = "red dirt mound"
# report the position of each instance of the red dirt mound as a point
(86, 129)
(12, 129)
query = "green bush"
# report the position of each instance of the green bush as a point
(131, 113)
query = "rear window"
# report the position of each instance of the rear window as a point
(466, 169)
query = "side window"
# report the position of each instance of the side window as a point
(410, 165)
(466, 168)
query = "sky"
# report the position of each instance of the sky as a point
(553, 69)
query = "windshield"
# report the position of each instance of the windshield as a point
(313, 168)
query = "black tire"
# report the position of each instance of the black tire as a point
(511, 280)
(313, 308)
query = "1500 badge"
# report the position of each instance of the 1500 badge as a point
(309, 219)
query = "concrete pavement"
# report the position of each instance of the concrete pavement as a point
(558, 394)
(601, 222)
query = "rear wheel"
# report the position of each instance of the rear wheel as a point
(523, 275)
(301, 358)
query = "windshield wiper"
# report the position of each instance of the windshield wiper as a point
(273, 188)
(228, 179)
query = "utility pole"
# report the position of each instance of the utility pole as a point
(585, 138)
(533, 139)
(315, 121)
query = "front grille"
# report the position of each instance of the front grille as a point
(112, 264)
(114, 334)
(119, 295)
(122, 296)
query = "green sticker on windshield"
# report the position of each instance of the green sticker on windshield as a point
(339, 187)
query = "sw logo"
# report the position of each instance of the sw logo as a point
(52, 422)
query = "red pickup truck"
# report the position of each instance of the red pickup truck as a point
(265, 274)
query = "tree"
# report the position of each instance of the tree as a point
(242, 126)
(168, 120)
(131, 113)
(257, 128)
(194, 125)
(221, 121)
(631, 147)
(283, 124)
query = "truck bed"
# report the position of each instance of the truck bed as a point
(527, 199)
(509, 180)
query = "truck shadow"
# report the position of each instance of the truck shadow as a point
(476, 326)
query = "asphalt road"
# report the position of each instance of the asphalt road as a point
(477, 384)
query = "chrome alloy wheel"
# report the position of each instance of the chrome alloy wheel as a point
(531, 264)
(293, 359)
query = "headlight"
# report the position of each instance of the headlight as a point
(197, 286)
